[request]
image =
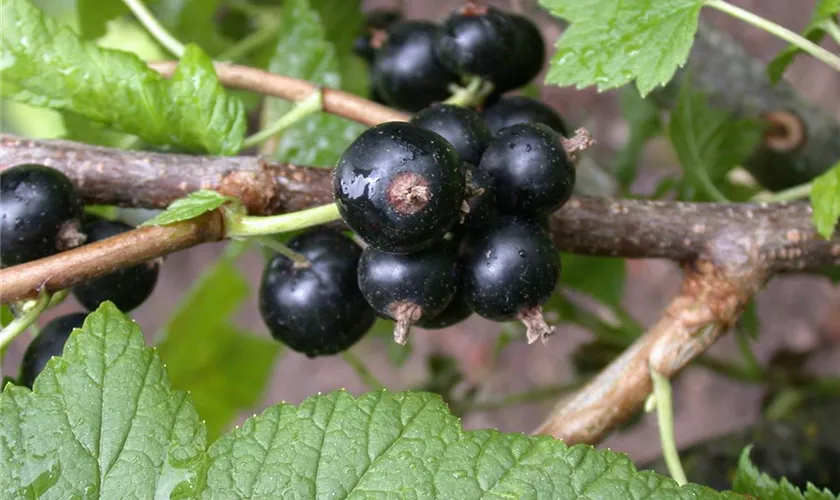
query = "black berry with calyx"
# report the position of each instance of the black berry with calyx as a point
(476, 40)
(376, 22)
(408, 287)
(528, 55)
(127, 288)
(480, 196)
(315, 307)
(531, 171)
(510, 268)
(406, 72)
(49, 342)
(399, 187)
(512, 110)
(462, 127)
(39, 214)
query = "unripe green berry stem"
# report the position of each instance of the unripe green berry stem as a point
(31, 309)
(474, 93)
(302, 109)
(241, 226)
(665, 418)
(153, 26)
(281, 248)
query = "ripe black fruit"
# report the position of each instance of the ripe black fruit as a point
(399, 187)
(316, 309)
(528, 55)
(50, 342)
(375, 21)
(530, 169)
(520, 109)
(462, 127)
(456, 312)
(40, 214)
(127, 288)
(510, 268)
(406, 72)
(480, 196)
(476, 41)
(408, 287)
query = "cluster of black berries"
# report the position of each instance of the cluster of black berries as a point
(450, 215)
(40, 215)
(414, 64)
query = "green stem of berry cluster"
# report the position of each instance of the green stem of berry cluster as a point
(153, 26)
(471, 95)
(362, 371)
(789, 194)
(30, 310)
(302, 109)
(832, 29)
(238, 225)
(283, 249)
(250, 43)
(833, 60)
(661, 399)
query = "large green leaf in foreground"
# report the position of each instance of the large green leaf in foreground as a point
(103, 422)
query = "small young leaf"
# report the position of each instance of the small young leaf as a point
(751, 481)
(825, 198)
(48, 65)
(709, 142)
(100, 422)
(303, 51)
(189, 207)
(199, 336)
(643, 119)
(825, 11)
(610, 43)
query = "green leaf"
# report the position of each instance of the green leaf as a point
(599, 277)
(825, 198)
(749, 480)
(224, 370)
(95, 14)
(191, 21)
(189, 207)
(304, 51)
(100, 422)
(48, 65)
(709, 142)
(825, 11)
(642, 116)
(611, 42)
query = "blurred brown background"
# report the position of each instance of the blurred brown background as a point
(798, 312)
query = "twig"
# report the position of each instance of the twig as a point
(335, 101)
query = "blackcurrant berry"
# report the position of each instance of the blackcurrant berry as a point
(462, 127)
(456, 312)
(510, 268)
(50, 342)
(316, 308)
(406, 72)
(408, 287)
(476, 40)
(509, 111)
(528, 55)
(399, 187)
(530, 169)
(480, 196)
(375, 21)
(40, 213)
(127, 288)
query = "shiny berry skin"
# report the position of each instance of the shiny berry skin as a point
(456, 312)
(406, 73)
(530, 169)
(50, 342)
(480, 196)
(510, 268)
(408, 287)
(462, 127)
(509, 111)
(528, 58)
(476, 41)
(399, 187)
(127, 288)
(40, 213)
(317, 309)
(376, 20)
